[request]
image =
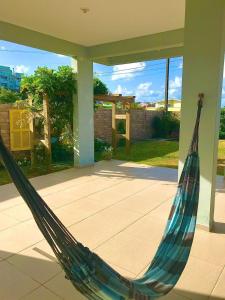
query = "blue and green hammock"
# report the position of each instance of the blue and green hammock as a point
(93, 277)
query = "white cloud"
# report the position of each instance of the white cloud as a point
(60, 55)
(144, 90)
(176, 83)
(180, 65)
(172, 91)
(175, 87)
(122, 90)
(21, 69)
(127, 71)
(2, 48)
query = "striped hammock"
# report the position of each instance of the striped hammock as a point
(93, 277)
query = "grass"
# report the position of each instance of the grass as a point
(162, 154)
(29, 172)
(152, 153)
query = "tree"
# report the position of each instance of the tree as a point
(100, 87)
(59, 85)
(8, 96)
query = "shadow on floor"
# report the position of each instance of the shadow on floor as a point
(107, 169)
(51, 269)
(219, 227)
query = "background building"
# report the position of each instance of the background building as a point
(174, 105)
(9, 78)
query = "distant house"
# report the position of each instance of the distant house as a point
(9, 78)
(174, 105)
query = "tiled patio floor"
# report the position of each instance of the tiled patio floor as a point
(118, 209)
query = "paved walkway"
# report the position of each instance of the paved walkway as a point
(116, 208)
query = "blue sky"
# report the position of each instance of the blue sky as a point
(145, 80)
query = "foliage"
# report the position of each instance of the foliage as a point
(100, 145)
(121, 127)
(222, 124)
(40, 155)
(59, 85)
(61, 152)
(100, 87)
(137, 105)
(166, 126)
(8, 96)
(103, 150)
(107, 153)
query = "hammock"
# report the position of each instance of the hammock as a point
(89, 274)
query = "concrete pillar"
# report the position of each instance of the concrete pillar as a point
(83, 113)
(203, 72)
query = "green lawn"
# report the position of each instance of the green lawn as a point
(4, 177)
(162, 154)
(152, 153)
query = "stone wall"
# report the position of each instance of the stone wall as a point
(4, 123)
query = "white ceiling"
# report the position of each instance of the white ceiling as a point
(107, 20)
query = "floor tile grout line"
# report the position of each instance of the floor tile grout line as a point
(19, 252)
(105, 208)
(131, 224)
(85, 219)
(23, 221)
(64, 189)
(116, 265)
(111, 205)
(214, 287)
(41, 285)
(47, 194)
(89, 217)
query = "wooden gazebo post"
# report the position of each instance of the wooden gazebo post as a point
(31, 127)
(126, 103)
(47, 128)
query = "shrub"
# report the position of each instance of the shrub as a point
(107, 153)
(100, 145)
(62, 152)
(103, 150)
(8, 96)
(167, 126)
(222, 124)
(121, 127)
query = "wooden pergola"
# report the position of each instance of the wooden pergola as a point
(126, 104)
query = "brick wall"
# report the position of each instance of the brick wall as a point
(4, 122)
(140, 124)
(103, 124)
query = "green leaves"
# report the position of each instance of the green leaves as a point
(8, 96)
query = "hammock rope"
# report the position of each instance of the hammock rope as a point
(93, 277)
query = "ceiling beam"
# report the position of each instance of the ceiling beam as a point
(155, 46)
(150, 55)
(153, 42)
(31, 38)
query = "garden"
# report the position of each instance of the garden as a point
(161, 149)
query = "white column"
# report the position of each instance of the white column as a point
(203, 72)
(83, 113)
